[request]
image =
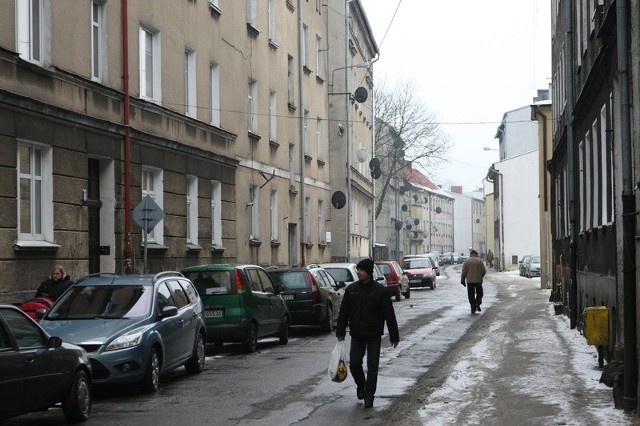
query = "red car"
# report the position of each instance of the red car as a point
(420, 272)
(397, 281)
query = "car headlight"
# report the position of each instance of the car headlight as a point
(126, 341)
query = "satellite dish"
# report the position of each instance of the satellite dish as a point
(338, 199)
(416, 222)
(438, 210)
(373, 163)
(477, 220)
(398, 225)
(362, 155)
(404, 207)
(361, 94)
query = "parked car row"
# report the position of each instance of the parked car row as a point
(134, 328)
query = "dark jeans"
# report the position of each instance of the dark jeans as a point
(475, 293)
(372, 347)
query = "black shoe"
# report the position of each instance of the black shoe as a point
(478, 308)
(473, 310)
(368, 402)
(360, 392)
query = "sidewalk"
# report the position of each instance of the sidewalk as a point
(520, 365)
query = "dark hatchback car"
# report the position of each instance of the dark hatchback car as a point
(134, 327)
(38, 371)
(312, 295)
(241, 304)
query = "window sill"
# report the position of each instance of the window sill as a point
(307, 158)
(154, 246)
(308, 244)
(254, 242)
(215, 9)
(275, 243)
(34, 246)
(319, 79)
(292, 190)
(291, 6)
(306, 69)
(254, 137)
(292, 107)
(217, 249)
(320, 162)
(253, 31)
(274, 144)
(193, 248)
(322, 244)
(273, 44)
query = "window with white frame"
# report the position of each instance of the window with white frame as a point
(273, 116)
(292, 164)
(253, 106)
(581, 184)
(305, 134)
(190, 91)
(320, 139)
(290, 86)
(29, 29)
(603, 166)
(214, 89)
(150, 65)
(216, 213)
(320, 71)
(254, 213)
(252, 13)
(192, 210)
(307, 219)
(275, 234)
(98, 40)
(35, 189)
(322, 231)
(303, 45)
(587, 183)
(153, 187)
(272, 20)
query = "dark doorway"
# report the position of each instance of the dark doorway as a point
(93, 205)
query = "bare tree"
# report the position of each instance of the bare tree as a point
(406, 133)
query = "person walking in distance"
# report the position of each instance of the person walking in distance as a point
(490, 258)
(473, 271)
(55, 285)
(365, 308)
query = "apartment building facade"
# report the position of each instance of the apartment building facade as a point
(218, 111)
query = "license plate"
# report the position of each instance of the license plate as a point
(213, 313)
(287, 296)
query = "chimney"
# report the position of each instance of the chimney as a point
(456, 188)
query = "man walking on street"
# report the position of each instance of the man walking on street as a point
(365, 308)
(473, 271)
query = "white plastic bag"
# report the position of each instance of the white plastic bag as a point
(338, 363)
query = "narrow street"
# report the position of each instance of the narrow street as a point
(513, 363)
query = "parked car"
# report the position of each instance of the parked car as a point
(531, 266)
(312, 295)
(521, 264)
(134, 327)
(241, 304)
(397, 281)
(346, 273)
(38, 371)
(420, 272)
(462, 256)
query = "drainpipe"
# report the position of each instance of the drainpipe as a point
(373, 154)
(303, 230)
(128, 267)
(348, 125)
(630, 399)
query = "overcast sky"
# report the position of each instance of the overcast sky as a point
(471, 62)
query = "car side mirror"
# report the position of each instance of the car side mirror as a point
(340, 284)
(54, 342)
(169, 311)
(279, 288)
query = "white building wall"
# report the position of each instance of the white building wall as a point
(462, 230)
(519, 197)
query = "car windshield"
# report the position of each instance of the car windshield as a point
(416, 263)
(384, 268)
(210, 283)
(103, 301)
(535, 259)
(341, 274)
(290, 279)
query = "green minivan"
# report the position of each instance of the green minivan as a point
(241, 304)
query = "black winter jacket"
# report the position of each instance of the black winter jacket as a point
(365, 308)
(54, 289)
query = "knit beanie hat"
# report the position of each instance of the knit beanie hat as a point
(366, 265)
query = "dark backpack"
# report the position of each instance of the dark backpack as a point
(32, 305)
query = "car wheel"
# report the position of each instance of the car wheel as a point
(398, 296)
(327, 323)
(151, 380)
(78, 403)
(250, 342)
(284, 331)
(195, 365)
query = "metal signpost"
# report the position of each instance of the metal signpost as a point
(147, 215)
